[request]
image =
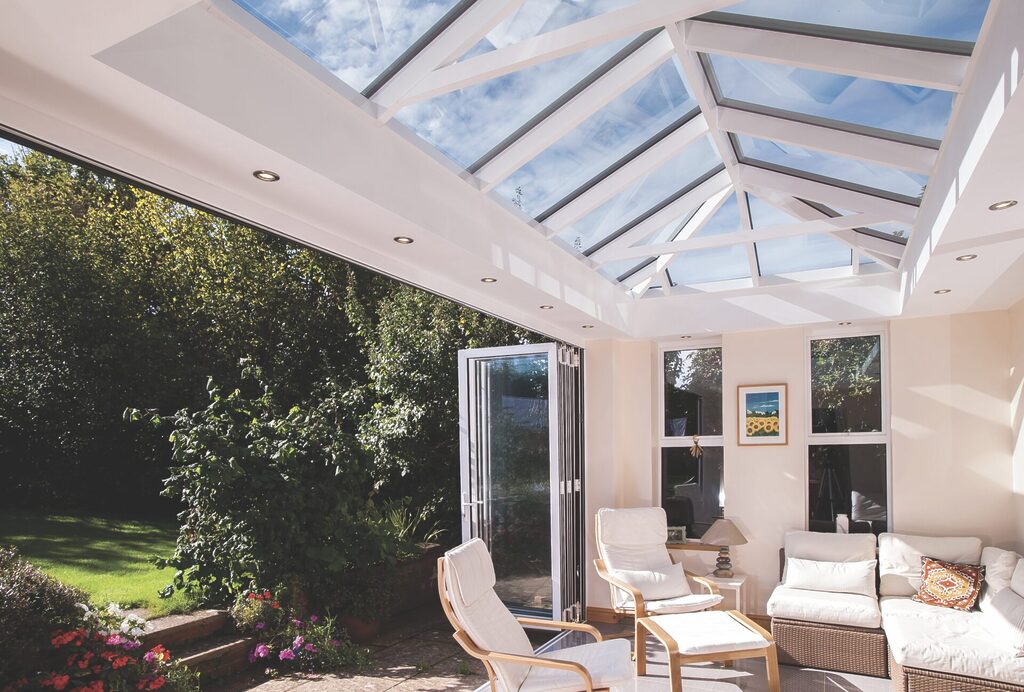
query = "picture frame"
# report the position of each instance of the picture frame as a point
(676, 534)
(763, 414)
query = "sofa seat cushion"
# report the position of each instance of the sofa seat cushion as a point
(690, 603)
(608, 663)
(848, 609)
(947, 641)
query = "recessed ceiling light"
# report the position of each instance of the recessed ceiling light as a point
(966, 258)
(943, 291)
(685, 337)
(588, 326)
(489, 280)
(266, 176)
(403, 240)
(845, 324)
(1005, 204)
(547, 307)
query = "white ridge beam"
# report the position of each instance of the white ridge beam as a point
(899, 155)
(823, 225)
(459, 37)
(898, 65)
(623, 177)
(794, 186)
(635, 19)
(654, 222)
(595, 96)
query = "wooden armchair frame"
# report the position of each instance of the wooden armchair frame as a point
(486, 657)
(640, 608)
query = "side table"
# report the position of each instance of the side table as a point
(737, 584)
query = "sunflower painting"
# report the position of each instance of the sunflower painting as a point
(762, 414)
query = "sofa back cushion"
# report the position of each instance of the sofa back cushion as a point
(836, 577)
(830, 547)
(999, 565)
(1017, 580)
(899, 558)
(1006, 615)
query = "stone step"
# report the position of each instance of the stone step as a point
(177, 631)
(217, 657)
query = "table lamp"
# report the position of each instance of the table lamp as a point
(723, 533)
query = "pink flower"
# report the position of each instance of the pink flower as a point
(286, 655)
(297, 644)
(261, 651)
(260, 625)
(297, 623)
(310, 648)
(313, 618)
(130, 644)
(116, 640)
(335, 643)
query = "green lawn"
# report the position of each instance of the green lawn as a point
(107, 558)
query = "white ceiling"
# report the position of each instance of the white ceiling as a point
(193, 96)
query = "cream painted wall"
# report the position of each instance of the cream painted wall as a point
(1016, 318)
(956, 470)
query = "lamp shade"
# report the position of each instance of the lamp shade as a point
(723, 532)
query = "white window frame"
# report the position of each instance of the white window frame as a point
(686, 441)
(853, 438)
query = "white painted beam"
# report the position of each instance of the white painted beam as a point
(817, 226)
(623, 177)
(595, 96)
(899, 155)
(831, 195)
(897, 65)
(637, 18)
(459, 37)
(666, 215)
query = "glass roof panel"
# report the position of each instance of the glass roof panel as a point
(676, 174)
(710, 264)
(468, 123)
(860, 173)
(613, 270)
(725, 220)
(957, 20)
(889, 229)
(911, 111)
(536, 17)
(646, 108)
(801, 253)
(355, 40)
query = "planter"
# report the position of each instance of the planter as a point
(415, 582)
(360, 630)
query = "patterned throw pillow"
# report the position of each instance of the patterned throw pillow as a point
(950, 584)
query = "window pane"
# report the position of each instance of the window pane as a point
(693, 392)
(956, 20)
(354, 40)
(692, 488)
(795, 254)
(848, 485)
(834, 168)
(709, 265)
(645, 109)
(846, 385)
(898, 108)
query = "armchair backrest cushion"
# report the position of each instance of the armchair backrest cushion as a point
(656, 583)
(469, 582)
(999, 565)
(632, 540)
(899, 558)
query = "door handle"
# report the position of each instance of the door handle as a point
(472, 502)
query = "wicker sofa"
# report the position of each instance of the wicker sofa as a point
(921, 648)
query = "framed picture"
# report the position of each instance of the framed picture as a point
(677, 534)
(762, 414)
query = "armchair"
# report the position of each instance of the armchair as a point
(631, 541)
(487, 631)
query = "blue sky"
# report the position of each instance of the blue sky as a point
(762, 402)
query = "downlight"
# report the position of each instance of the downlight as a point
(403, 240)
(1005, 204)
(266, 176)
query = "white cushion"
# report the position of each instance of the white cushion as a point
(608, 663)
(999, 566)
(830, 547)
(1006, 613)
(710, 632)
(948, 641)
(899, 559)
(1017, 580)
(848, 609)
(680, 604)
(657, 582)
(469, 582)
(840, 577)
(636, 526)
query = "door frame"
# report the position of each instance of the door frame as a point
(468, 459)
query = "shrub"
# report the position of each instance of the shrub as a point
(272, 494)
(32, 604)
(257, 611)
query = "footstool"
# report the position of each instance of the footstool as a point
(710, 636)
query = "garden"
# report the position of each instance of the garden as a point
(198, 414)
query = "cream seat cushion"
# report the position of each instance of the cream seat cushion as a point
(848, 609)
(607, 662)
(680, 604)
(947, 641)
(710, 632)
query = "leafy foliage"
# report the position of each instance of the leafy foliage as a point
(846, 384)
(31, 605)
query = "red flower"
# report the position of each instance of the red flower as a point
(266, 595)
(275, 605)
(120, 662)
(251, 595)
(94, 686)
(157, 683)
(57, 682)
